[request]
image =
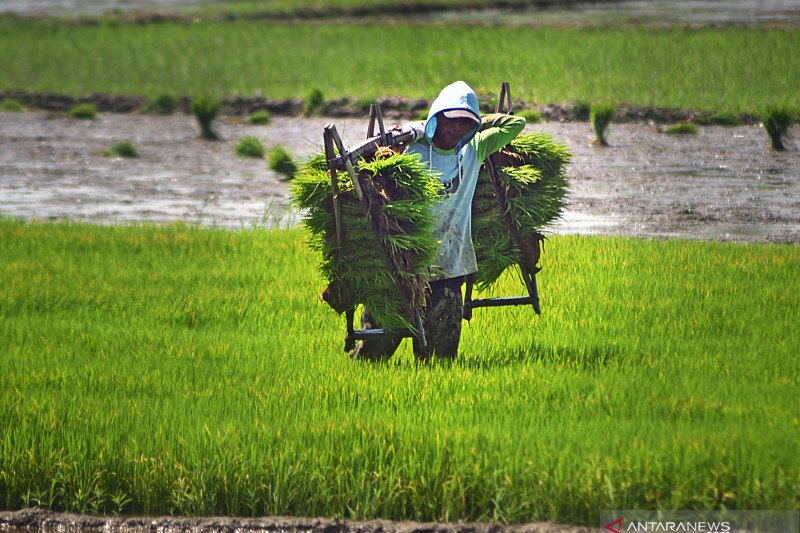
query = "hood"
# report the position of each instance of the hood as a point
(457, 95)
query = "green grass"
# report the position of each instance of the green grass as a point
(724, 119)
(173, 369)
(683, 128)
(531, 116)
(123, 149)
(705, 69)
(12, 106)
(164, 104)
(314, 102)
(260, 118)
(83, 111)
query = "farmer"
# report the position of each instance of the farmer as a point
(453, 142)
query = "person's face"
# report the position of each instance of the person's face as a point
(450, 130)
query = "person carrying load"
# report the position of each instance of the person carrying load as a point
(453, 142)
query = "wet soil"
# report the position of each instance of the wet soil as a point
(36, 519)
(639, 12)
(721, 184)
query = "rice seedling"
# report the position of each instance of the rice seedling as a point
(260, 118)
(173, 369)
(777, 120)
(123, 149)
(250, 146)
(531, 169)
(205, 109)
(281, 162)
(314, 102)
(402, 193)
(601, 115)
(164, 104)
(531, 116)
(11, 105)
(716, 67)
(724, 119)
(83, 111)
(684, 128)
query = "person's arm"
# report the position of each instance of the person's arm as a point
(496, 131)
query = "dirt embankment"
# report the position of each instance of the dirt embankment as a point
(392, 107)
(38, 519)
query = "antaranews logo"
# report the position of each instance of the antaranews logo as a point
(617, 523)
(668, 526)
(699, 521)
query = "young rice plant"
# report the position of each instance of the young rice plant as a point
(250, 146)
(172, 369)
(601, 114)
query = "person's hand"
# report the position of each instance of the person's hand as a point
(399, 130)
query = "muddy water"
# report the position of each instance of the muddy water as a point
(722, 183)
(648, 12)
(741, 12)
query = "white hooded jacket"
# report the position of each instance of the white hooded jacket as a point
(457, 170)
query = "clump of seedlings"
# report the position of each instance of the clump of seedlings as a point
(314, 103)
(723, 119)
(165, 104)
(11, 105)
(531, 116)
(683, 128)
(123, 149)
(402, 192)
(777, 121)
(83, 111)
(532, 174)
(601, 114)
(205, 109)
(250, 146)
(281, 162)
(260, 118)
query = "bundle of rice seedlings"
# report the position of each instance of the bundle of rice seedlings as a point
(123, 149)
(531, 171)
(261, 117)
(282, 162)
(402, 192)
(205, 109)
(11, 105)
(682, 128)
(777, 121)
(249, 146)
(83, 111)
(601, 114)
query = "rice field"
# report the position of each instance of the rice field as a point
(173, 369)
(731, 70)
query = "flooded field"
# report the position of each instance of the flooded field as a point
(722, 183)
(716, 12)
(647, 12)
